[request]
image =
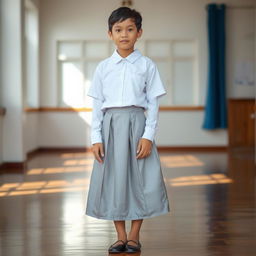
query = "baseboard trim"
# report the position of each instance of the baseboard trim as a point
(159, 148)
(68, 109)
(13, 167)
(36, 151)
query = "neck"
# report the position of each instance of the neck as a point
(125, 53)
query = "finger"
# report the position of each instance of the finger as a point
(97, 156)
(141, 154)
(139, 147)
(101, 150)
(147, 153)
(143, 151)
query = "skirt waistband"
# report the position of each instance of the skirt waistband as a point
(125, 109)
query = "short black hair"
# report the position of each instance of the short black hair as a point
(123, 13)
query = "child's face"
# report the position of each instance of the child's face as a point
(125, 34)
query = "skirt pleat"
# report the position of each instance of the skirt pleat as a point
(124, 187)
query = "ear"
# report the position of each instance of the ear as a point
(110, 34)
(140, 33)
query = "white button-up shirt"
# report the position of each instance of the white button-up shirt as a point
(120, 82)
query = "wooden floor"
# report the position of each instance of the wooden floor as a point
(212, 200)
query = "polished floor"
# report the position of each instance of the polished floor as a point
(212, 200)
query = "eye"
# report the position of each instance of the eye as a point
(130, 29)
(117, 30)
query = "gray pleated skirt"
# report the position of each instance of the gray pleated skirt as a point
(124, 187)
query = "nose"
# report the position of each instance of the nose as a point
(124, 33)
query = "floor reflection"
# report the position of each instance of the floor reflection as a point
(212, 201)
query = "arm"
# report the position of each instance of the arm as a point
(96, 127)
(97, 118)
(95, 91)
(145, 143)
(152, 119)
(154, 90)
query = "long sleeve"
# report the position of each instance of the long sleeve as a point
(152, 119)
(95, 91)
(154, 90)
(97, 118)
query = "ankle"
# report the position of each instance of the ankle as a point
(132, 236)
(122, 236)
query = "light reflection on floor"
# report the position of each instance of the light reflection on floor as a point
(180, 161)
(217, 178)
(83, 162)
(85, 165)
(58, 186)
(36, 171)
(42, 187)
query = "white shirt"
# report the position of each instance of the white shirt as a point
(120, 82)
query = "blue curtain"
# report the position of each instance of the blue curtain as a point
(216, 106)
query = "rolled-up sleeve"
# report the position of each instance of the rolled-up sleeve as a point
(154, 90)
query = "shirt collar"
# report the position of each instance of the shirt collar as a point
(132, 57)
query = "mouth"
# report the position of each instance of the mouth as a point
(124, 41)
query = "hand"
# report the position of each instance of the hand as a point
(144, 148)
(98, 151)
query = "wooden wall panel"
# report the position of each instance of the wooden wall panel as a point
(241, 122)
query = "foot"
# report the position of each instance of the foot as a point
(133, 246)
(118, 247)
(133, 242)
(133, 239)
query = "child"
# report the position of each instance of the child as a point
(126, 181)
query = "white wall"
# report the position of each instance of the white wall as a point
(64, 129)
(31, 133)
(184, 129)
(73, 130)
(11, 80)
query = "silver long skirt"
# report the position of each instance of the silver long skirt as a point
(124, 187)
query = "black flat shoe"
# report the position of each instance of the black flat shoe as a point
(133, 248)
(120, 248)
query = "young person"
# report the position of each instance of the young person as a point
(126, 181)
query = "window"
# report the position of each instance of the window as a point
(31, 39)
(176, 60)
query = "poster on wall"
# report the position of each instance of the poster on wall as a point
(244, 73)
